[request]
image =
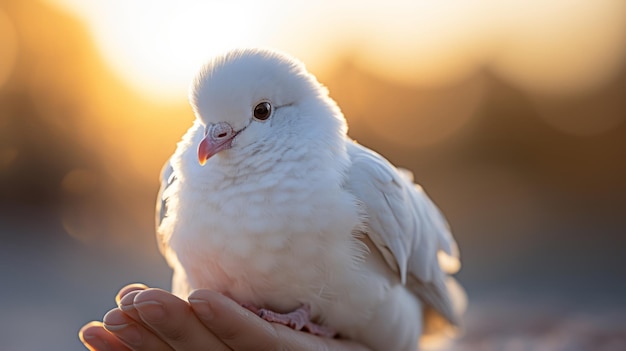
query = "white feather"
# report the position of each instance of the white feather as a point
(295, 212)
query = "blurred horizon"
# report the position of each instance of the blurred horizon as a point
(510, 114)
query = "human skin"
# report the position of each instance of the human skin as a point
(154, 319)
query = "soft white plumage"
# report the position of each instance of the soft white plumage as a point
(289, 211)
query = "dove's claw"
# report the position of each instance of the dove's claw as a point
(299, 319)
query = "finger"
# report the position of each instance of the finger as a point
(237, 327)
(132, 334)
(173, 320)
(127, 305)
(243, 330)
(96, 338)
(127, 289)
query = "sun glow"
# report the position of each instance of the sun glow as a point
(566, 46)
(157, 46)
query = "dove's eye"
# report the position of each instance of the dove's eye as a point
(262, 111)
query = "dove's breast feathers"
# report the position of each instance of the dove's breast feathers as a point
(276, 239)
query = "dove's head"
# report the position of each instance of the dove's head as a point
(252, 99)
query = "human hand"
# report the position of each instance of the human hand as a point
(154, 319)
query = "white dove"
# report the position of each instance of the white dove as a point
(267, 200)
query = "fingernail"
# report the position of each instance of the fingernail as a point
(126, 303)
(116, 322)
(201, 308)
(93, 342)
(126, 332)
(151, 310)
(115, 319)
(128, 289)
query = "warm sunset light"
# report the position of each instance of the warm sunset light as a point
(157, 46)
(554, 47)
(8, 43)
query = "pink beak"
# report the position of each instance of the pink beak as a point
(217, 137)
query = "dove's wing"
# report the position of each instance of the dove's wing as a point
(167, 179)
(180, 284)
(407, 228)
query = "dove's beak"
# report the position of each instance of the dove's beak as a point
(217, 137)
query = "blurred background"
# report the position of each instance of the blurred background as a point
(510, 113)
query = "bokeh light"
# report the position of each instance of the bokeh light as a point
(560, 47)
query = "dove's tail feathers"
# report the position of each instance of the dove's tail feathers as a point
(438, 330)
(458, 297)
(435, 294)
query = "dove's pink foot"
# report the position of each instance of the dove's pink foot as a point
(299, 319)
